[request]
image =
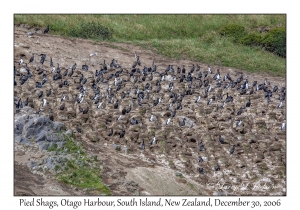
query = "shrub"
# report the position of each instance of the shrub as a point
(233, 30)
(275, 41)
(91, 30)
(251, 39)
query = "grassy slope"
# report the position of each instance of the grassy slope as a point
(81, 170)
(192, 37)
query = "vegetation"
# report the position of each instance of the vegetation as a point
(227, 40)
(80, 170)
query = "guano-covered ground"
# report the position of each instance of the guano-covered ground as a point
(171, 165)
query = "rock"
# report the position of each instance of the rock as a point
(55, 137)
(116, 147)
(18, 128)
(178, 174)
(32, 164)
(44, 146)
(60, 144)
(58, 126)
(22, 140)
(69, 132)
(41, 136)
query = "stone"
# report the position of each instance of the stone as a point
(32, 164)
(55, 137)
(58, 126)
(41, 136)
(178, 174)
(22, 140)
(69, 132)
(44, 146)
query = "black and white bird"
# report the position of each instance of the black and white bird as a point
(62, 107)
(46, 30)
(38, 85)
(248, 103)
(200, 170)
(133, 121)
(31, 59)
(111, 132)
(44, 102)
(151, 118)
(173, 113)
(183, 122)
(119, 118)
(58, 68)
(210, 101)
(280, 105)
(153, 141)
(217, 168)
(217, 75)
(49, 92)
(26, 102)
(221, 140)
(282, 126)
(200, 160)
(51, 62)
(21, 61)
(40, 94)
(44, 80)
(240, 111)
(168, 121)
(223, 105)
(198, 99)
(232, 150)
(99, 105)
(143, 145)
(201, 146)
(122, 134)
(63, 98)
(238, 123)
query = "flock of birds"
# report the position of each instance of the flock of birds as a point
(195, 80)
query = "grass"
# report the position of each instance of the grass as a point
(80, 170)
(193, 37)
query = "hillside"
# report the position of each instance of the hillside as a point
(171, 165)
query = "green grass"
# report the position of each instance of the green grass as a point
(193, 37)
(80, 170)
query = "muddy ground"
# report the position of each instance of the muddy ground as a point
(170, 167)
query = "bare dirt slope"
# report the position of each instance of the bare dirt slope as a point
(171, 166)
